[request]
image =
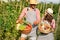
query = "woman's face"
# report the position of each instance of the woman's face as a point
(32, 6)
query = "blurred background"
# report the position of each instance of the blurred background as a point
(11, 9)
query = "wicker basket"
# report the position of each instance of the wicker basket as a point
(44, 28)
(27, 29)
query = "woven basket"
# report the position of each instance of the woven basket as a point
(44, 28)
(27, 29)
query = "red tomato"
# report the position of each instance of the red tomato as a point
(28, 27)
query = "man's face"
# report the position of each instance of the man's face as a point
(33, 5)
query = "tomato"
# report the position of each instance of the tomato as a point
(28, 27)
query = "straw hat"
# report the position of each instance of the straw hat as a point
(50, 11)
(33, 2)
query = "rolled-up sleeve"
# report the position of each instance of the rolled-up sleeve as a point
(53, 23)
(38, 15)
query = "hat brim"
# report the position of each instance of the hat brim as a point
(33, 2)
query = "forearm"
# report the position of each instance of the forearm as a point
(38, 16)
(20, 18)
(22, 14)
(53, 25)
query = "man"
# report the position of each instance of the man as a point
(32, 15)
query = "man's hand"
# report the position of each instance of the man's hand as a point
(36, 22)
(19, 21)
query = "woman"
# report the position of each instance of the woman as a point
(32, 15)
(49, 18)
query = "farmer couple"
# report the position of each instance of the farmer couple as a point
(32, 15)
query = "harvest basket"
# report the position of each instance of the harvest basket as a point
(44, 27)
(24, 27)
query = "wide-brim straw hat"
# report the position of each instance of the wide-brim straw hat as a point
(33, 2)
(50, 11)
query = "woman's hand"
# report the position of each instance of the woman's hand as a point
(53, 30)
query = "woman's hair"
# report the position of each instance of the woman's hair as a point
(48, 17)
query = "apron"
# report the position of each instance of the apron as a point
(31, 17)
(49, 36)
